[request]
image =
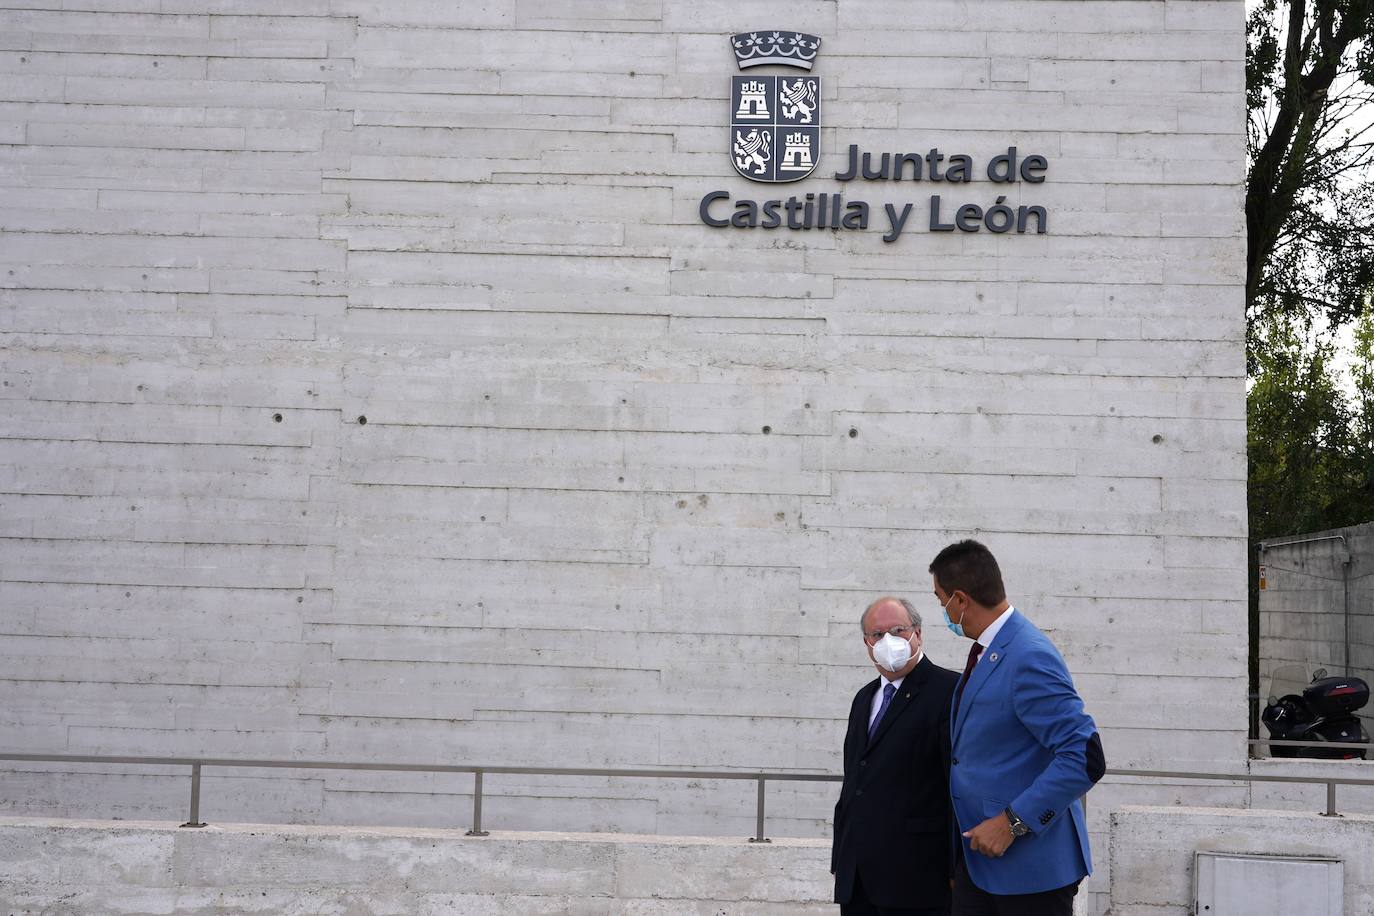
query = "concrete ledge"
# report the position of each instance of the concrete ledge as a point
(1296, 796)
(68, 867)
(1152, 851)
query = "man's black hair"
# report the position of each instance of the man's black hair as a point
(969, 567)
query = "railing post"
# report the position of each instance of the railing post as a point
(758, 836)
(195, 820)
(1330, 800)
(477, 805)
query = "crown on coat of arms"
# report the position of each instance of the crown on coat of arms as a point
(790, 49)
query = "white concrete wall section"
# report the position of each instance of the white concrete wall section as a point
(1304, 797)
(1317, 607)
(626, 480)
(1153, 851)
(66, 868)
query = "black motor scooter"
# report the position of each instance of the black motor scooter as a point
(1322, 712)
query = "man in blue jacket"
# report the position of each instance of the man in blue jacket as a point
(1022, 751)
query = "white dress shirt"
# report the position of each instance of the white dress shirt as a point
(878, 694)
(987, 636)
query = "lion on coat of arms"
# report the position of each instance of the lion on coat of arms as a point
(752, 151)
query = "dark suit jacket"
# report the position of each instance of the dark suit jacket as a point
(893, 820)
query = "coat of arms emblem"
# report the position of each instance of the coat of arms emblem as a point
(775, 121)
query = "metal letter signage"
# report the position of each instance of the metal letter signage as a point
(775, 121)
(775, 134)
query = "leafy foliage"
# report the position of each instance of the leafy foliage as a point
(1309, 203)
(1309, 210)
(1309, 444)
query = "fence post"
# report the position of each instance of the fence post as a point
(758, 836)
(195, 820)
(1330, 800)
(477, 805)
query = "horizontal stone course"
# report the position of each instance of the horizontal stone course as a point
(61, 867)
(1153, 850)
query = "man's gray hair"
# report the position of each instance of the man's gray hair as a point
(911, 613)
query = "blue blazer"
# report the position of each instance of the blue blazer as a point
(1020, 740)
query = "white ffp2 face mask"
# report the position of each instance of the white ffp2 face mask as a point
(892, 652)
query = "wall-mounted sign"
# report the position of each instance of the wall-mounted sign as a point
(775, 127)
(775, 122)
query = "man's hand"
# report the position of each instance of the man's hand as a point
(992, 837)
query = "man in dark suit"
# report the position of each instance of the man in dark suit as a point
(1023, 751)
(891, 855)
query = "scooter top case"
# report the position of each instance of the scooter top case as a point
(1336, 696)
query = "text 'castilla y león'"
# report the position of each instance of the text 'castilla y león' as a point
(819, 210)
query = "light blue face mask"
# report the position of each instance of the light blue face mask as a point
(956, 628)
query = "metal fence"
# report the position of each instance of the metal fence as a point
(761, 778)
(197, 763)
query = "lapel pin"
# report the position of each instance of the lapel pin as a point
(907, 695)
(993, 657)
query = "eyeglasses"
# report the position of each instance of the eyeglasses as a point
(899, 632)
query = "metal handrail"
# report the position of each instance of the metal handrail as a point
(196, 763)
(1312, 742)
(761, 777)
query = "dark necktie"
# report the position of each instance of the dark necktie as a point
(974, 651)
(888, 691)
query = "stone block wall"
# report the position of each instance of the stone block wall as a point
(373, 390)
(1153, 853)
(1317, 606)
(74, 868)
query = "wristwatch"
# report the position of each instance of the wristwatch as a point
(1018, 826)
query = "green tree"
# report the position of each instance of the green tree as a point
(1309, 202)
(1310, 445)
(1362, 432)
(1308, 441)
(1309, 210)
